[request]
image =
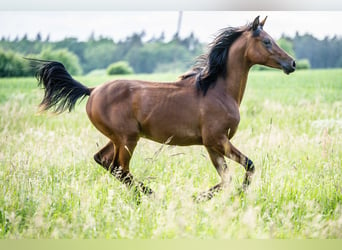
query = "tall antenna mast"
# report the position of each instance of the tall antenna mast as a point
(179, 24)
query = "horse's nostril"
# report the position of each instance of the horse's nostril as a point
(293, 64)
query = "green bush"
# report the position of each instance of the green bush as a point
(69, 59)
(303, 64)
(13, 65)
(119, 68)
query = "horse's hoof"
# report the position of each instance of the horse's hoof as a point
(204, 196)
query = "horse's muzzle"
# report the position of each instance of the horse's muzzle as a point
(289, 67)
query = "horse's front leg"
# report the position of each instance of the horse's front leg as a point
(217, 149)
(234, 154)
(221, 167)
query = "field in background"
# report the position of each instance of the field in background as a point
(291, 127)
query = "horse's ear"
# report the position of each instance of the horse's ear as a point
(263, 22)
(256, 23)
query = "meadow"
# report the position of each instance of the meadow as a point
(291, 127)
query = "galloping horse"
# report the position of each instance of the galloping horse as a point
(201, 108)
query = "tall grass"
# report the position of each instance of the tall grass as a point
(290, 126)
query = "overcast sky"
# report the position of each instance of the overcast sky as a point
(119, 24)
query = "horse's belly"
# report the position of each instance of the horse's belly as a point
(173, 136)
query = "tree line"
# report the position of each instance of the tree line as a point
(154, 55)
(326, 53)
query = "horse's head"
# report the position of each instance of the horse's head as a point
(262, 49)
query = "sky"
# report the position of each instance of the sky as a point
(120, 24)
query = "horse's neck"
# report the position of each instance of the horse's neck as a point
(237, 74)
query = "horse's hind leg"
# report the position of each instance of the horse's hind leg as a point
(121, 170)
(122, 173)
(116, 159)
(105, 157)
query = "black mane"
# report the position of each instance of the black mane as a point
(213, 64)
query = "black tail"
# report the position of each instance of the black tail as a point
(61, 90)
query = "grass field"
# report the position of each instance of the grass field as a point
(291, 127)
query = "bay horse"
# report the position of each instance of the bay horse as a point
(200, 108)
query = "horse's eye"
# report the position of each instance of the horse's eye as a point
(267, 42)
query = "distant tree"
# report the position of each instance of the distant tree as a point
(99, 54)
(161, 38)
(24, 37)
(38, 37)
(143, 60)
(160, 55)
(326, 53)
(13, 65)
(190, 42)
(69, 59)
(71, 44)
(287, 45)
(151, 56)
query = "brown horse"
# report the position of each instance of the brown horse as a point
(201, 108)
